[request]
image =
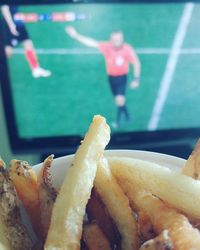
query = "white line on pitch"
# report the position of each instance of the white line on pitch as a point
(171, 66)
(141, 51)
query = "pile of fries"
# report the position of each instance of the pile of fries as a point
(103, 203)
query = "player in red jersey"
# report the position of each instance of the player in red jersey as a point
(15, 33)
(118, 56)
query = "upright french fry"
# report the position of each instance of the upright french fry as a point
(192, 166)
(176, 189)
(68, 211)
(118, 206)
(25, 182)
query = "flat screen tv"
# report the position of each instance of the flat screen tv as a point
(136, 63)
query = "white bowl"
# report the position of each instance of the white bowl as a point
(60, 165)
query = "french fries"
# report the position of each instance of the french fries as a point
(176, 189)
(163, 217)
(117, 205)
(68, 211)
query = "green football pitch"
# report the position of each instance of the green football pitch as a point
(166, 38)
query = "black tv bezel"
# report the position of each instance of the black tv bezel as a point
(68, 144)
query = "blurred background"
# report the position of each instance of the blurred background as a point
(54, 85)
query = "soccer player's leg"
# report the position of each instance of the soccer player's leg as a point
(32, 60)
(112, 83)
(30, 53)
(120, 101)
(118, 87)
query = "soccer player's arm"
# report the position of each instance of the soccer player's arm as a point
(136, 69)
(71, 31)
(8, 18)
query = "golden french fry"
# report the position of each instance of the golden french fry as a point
(94, 238)
(118, 206)
(47, 195)
(68, 211)
(181, 232)
(192, 166)
(176, 189)
(11, 221)
(97, 211)
(25, 182)
(192, 169)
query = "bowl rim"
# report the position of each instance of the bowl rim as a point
(151, 156)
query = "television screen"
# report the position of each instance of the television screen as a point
(136, 64)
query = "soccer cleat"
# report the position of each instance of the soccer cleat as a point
(40, 72)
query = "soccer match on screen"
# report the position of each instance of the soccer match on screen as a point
(134, 64)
